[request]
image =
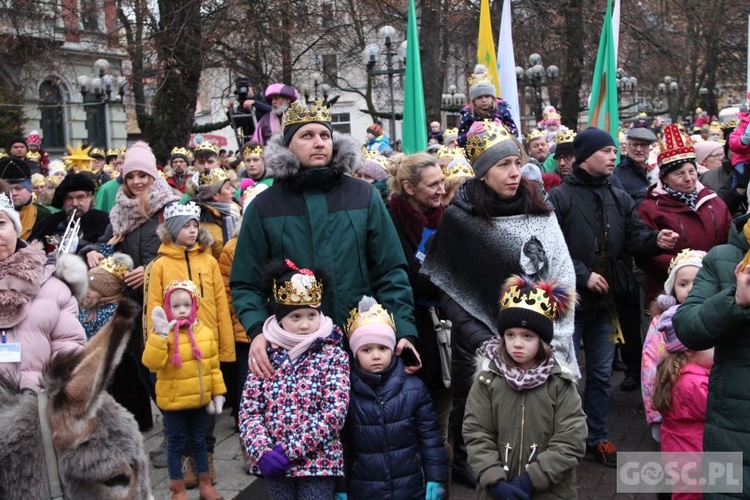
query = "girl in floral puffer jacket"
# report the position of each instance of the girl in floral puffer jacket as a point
(290, 422)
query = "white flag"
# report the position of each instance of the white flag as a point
(506, 66)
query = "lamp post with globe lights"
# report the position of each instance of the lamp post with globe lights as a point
(533, 78)
(97, 92)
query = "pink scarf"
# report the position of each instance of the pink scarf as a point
(296, 344)
(188, 324)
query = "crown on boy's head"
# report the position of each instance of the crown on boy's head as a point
(257, 150)
(189, 209)
(207, 146)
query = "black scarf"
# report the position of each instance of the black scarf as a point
(689, 199)
(586, 178)
(499, 206)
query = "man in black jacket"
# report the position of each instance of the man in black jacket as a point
(600, 224)
(633, 168)
(74, 194)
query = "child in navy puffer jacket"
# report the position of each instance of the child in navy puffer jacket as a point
(393, 446)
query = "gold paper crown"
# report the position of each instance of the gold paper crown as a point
(113, 152)
(535, 134)
(554, 116)
(210, 177)
(34, 156)
(377, 158)
(180, 151)
(183, 285)
(37, 180)
(715, 128)
(565, 136)
(97, 152)
(494, 133)
(52, 179)
(6, 203)
(451, 131)
(531, 298)
(3, 155)
(207, 146)
(685, 255)
(257, 150)
(375, 314)
(317, 112)
(189, 209)
(119, 270)
(458, 168)
(446, 152)
(479, 79)
(303, 289)
(731, 124)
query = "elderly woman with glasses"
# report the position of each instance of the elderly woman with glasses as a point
(678, 201)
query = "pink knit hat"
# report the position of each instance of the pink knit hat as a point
(139, 157)
(703, 149)
(370, 323)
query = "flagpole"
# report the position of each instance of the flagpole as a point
(506, 66)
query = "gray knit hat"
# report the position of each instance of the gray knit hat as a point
(480, 83)
(486, 144)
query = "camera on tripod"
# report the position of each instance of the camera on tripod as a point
(242, 89)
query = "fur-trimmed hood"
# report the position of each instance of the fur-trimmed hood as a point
(23, 274)
(347, 157)
(205, 240)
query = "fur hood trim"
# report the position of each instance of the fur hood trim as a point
(205, 240)
(73, 271)
(347, 157)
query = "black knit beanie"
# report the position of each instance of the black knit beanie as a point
(589, 142)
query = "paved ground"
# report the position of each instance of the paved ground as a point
(628, 431)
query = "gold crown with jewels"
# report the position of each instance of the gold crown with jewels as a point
(480, 78)
(210, 177)
(535, 134)
(317, 112)
(565, 136)
(96, 152)
(257, 150)
(34, 156)
(180, 151)
(375, 314)
(494, 133)
(207, 146)
(187, 285)
(118, 269)
(301, 290)
(459, 167)
(531, 298)
(189, 209)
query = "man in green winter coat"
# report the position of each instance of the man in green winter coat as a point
(319, 218)
(717, 314)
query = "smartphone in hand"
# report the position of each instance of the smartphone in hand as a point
(409, 357)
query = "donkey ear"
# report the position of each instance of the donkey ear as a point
(100, 358)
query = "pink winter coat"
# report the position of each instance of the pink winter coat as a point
(653, 351)
(682, 426)
(741, 151)
(38, 310)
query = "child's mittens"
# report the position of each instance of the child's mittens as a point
(274, 464)
(435, 491)
(503, 490)
(162, 326)
(216, 405)
(523, 482)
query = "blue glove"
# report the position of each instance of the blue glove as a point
(274, 464)
(523, 482)
(341, 496)
(503, 490)
(435, 491)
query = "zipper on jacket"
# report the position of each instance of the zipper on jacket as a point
(187, 261)
(682, 228)
(200, 282)
(523, 428)
(713, 218)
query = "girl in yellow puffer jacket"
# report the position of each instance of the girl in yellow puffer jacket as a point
(189, 383)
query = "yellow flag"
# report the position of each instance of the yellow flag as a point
(486, 44)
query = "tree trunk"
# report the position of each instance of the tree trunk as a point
(572, 77)
(432, 67)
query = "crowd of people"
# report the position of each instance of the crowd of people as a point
(383, 324)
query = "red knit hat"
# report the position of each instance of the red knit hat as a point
(375, 130)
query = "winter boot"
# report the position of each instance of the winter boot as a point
(206, 488)
(188, 472)
(211, 469)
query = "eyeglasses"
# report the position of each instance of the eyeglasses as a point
(717, 156)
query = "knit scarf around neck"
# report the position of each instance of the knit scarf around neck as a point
(499, 206)
(295, 344)
(125, 215)
(414, 221)
(517, 378)
(230, 220)
(689, 199)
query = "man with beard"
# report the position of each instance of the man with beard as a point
(17, 173)
(280, 96)
(633, 168)
(74, 195)
(178, 162)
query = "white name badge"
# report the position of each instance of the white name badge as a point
(10, 353)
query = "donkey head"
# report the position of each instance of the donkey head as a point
(98, 444)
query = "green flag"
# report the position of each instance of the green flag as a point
(414, 128)
(603, 111)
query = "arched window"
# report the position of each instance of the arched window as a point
(53, 124)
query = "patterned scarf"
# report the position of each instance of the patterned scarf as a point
(230, 220)
(518, 379)
(125, 216)
(689, 199)
(295, 344)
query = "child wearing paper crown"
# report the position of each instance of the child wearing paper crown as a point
(188, 381)
(484, 105)
(106, 283)
(524, 428)
(682, 271)
(393, 440)
(290, 422)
